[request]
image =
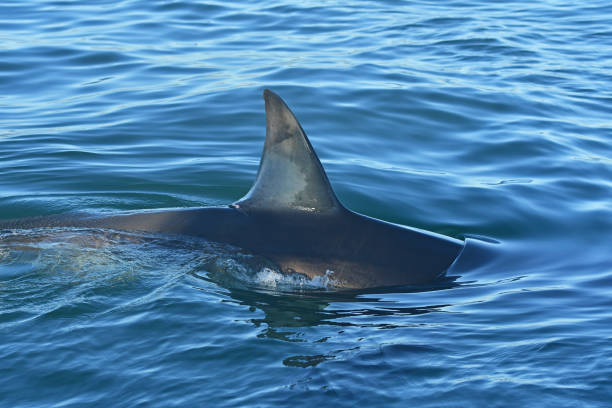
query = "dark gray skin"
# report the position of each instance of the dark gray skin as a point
(292, 217)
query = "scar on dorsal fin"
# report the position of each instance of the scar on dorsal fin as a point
(290, 175)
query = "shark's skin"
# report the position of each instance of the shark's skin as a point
(292, 217)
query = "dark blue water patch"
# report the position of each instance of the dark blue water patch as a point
(472, 119)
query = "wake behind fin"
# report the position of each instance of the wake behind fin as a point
(290, 175)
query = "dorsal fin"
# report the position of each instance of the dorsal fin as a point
(290, 175)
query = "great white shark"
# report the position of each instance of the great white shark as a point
(292, 217)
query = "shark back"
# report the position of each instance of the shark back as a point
(292, 217)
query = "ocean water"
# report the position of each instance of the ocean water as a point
(489, 120)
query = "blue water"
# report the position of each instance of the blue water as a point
(467, 118)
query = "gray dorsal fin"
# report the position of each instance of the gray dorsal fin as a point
(290, 175)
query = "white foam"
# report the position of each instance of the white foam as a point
(274, 279)
(250, 270)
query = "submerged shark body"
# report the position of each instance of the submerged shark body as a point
(292, 217)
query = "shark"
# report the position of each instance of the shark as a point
(292, 217)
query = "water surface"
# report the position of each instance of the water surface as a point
(470, 119)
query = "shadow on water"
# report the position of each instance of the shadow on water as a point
(322, 323)
(286, 308)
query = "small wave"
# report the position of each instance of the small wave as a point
(275, 279)
(241, 269)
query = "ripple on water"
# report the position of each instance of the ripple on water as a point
(472, 119)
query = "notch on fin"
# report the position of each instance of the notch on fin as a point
(290, 175)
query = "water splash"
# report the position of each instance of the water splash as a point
(75, 256)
